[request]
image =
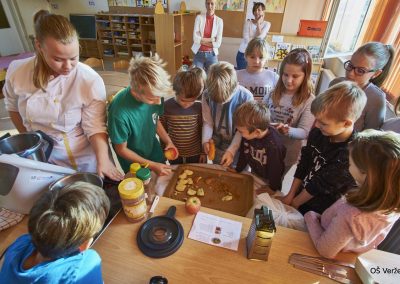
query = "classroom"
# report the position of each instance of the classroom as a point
(207, 141)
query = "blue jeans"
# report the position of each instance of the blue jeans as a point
(241, 62)
(204, 59)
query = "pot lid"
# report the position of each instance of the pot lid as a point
(161, 236)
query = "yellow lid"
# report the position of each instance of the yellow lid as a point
(130, 188)
(134, 167)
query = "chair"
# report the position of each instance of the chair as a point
(94, 63)
(121, 65)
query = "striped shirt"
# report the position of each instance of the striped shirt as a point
(184, 127)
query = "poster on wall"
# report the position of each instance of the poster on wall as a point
(230, 5)
(271, 6)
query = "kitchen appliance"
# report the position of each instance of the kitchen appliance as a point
(160, 236)
(23, 181)
(33, 145)
(87, 177)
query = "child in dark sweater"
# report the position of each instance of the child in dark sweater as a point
(261, 147)
(322, 174)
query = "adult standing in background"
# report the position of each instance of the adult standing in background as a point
(55, 93)
(207, 37)
(255, 28)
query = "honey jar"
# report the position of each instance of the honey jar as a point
(131, 191)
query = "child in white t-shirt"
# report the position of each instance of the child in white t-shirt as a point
(290, 102)
(258, 80)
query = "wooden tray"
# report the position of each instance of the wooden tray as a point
(216, 184)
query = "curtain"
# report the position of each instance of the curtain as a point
(385, 27)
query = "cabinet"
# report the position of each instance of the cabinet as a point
(312, 44)
(174, 38)
(125, 35)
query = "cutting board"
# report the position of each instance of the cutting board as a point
(216, 184)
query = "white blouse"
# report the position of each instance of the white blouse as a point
(249, 32)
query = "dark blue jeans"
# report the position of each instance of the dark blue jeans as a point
(241, 62)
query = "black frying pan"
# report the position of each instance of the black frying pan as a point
(161, 236)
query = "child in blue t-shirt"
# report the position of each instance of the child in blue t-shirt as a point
(61, 225)
(133, 116)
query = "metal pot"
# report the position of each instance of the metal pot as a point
(87, 177)
(32, 145)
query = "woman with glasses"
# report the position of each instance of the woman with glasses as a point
(368, 67)
(255, 28)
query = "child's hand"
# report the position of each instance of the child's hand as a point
(160, 169)
(203, 159)
(171, 145)
(282, 128)
(206, 148)
(227, 159)
(285, 199)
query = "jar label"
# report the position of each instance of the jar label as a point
(136, 211)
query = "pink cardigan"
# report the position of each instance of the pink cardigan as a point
(343, 227)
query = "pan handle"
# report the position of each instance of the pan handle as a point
(171, 212)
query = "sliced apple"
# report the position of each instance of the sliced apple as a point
(191, 192)
(200, 192)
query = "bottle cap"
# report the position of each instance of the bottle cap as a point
(143, 174)
(131, 188)
(134, 167)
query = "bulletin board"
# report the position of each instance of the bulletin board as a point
(234, 20)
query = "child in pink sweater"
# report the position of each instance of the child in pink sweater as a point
(362, 219)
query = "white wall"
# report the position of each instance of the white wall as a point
(65, 8)
(294, 11)
(27, 10)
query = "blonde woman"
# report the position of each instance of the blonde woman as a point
(55, 93)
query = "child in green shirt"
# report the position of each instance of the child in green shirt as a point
(133, 116)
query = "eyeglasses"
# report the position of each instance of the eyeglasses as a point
(359, 71)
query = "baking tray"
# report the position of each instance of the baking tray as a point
(216, 184)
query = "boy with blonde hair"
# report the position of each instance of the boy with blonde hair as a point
(322, 174)
(133, 116)
(222, 97)
(61, 225)
(182, 117)
(261, 147)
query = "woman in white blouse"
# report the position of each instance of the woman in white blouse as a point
(55, 93)
(207, 37)
(256, 27)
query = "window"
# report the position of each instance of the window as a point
(3, 18)
(344, 26)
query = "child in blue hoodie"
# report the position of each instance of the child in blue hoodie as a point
(62, 224)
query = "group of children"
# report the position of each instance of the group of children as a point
(349, 200)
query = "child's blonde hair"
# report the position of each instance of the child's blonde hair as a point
(149, 71)
(377, 154)
(63, 219)
(49, 25)
(383, 55)
(257, 44)
(190, 84)
(302, 58)
(221, 81)
(343, 101)
(252, 115)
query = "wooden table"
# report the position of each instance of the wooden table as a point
(114, 81)
(194, 262)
